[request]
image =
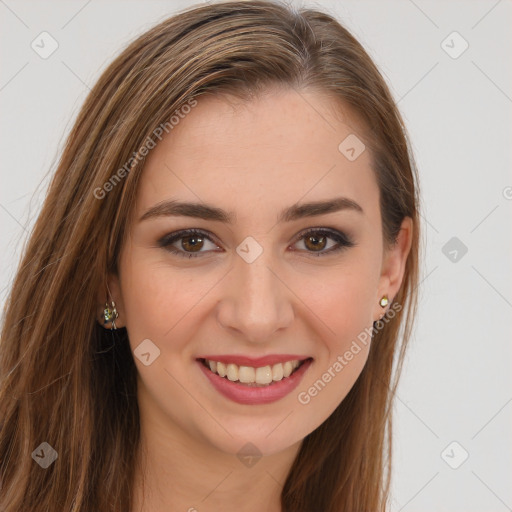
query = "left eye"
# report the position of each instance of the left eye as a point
(317, 239)
(193, 240)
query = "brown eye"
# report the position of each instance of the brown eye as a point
(316, 240)
(192, 243)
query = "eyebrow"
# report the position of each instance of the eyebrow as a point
(209, 212)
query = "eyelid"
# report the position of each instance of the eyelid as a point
(331, 232)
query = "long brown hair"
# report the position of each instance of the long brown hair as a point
(67, 381)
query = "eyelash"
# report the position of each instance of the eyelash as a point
(343, 241)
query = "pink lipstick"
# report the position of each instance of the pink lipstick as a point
(252, 393)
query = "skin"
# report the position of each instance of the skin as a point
(254, 159)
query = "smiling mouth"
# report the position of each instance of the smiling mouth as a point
(254, 377)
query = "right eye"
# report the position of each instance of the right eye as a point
(191, 239)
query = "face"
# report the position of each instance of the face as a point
(258, 277)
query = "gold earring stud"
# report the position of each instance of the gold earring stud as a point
(384, 301)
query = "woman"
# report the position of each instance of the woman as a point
(208, 309)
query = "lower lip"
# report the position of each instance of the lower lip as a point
(256, 395)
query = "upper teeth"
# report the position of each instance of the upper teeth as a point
(248, 374)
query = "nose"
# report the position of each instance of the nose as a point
(255, 302)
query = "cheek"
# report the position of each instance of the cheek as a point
(345, 307)
(343, 303)
(158, 299)
(348, 315)
(343, 299)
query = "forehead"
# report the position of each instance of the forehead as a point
(274, 150)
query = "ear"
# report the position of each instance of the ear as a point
(393, 266)
(115, 295)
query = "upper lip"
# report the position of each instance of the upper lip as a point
(255, 362)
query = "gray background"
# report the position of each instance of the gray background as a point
(456, 384)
